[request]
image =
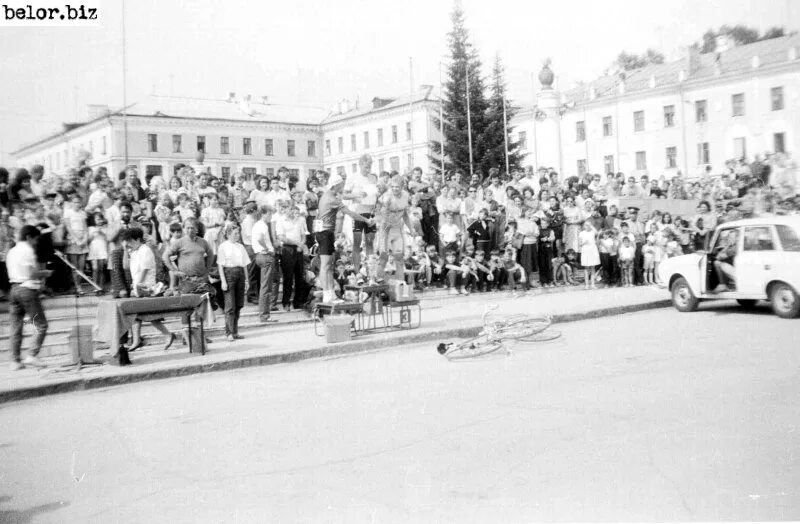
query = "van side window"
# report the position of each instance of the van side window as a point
(758, 238)
(789, 238)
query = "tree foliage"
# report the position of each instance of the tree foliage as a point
(493, 139)
(629, 61)
(463, 61)
(739, 34)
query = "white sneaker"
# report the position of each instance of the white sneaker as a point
(33, 361)
(16, 366)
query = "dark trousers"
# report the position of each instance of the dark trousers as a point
(119, 279)
(234, 298)
(638, 265)
(292, 269)
(544, 261)
(609, 264)
(23, 300)
(253, 275)
(265, 261)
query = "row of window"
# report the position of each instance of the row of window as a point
(225, 171)
(700, 114)
(225, 145)
(366, 140)
(393, 165)
(703, 154)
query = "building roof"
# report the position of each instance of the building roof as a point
(241, 109)
(378, 104)
(736, 60)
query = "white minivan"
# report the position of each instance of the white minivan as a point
(766, 266)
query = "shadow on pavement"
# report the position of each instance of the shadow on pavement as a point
(27, 515)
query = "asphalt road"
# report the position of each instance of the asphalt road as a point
(649, 417)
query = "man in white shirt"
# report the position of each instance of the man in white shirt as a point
(361, 190)
(25, 277)
(253, 271)
(265, 258)
(276, 193)
(291, 232)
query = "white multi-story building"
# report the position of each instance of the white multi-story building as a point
(396, 132)
(680, 116)
(244, 135)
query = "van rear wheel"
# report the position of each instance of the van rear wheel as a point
(682, 297)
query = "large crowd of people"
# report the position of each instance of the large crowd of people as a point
(280, 244)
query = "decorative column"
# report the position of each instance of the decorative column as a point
(547, 122)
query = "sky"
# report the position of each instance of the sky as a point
(315, 52)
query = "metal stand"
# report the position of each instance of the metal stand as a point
(78, 361)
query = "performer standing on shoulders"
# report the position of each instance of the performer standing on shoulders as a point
(25, 277)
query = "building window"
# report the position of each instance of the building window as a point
(247, 146)
(779, 142)
(638, 121)
(394, 163)
(672, 157)
(352, 142)
(410, 161)
(152, 143)
(103, 149)
(290, 147)
(641, 160)
(608, 163)
(269, 147)
(580, 131)
(776, 94)
(394, 134)
(669, 116)
(340, 141)
(176, 144)
(312, 148)
(269, 172)
(328, 147)
(366, 139)
(380, 137)
(737, 103)
(224, 145)
(408, 130)
(740, 147)
(703, 155)
(581, 167)
(700, 112)
(226, 173)
(294, 174)
(201, 144)
(608, 126)
(340, 170)
(151, 171)
(381, 165)
(353, 168)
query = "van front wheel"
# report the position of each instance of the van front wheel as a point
(682, 297)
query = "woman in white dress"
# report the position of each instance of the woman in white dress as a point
(590, 255)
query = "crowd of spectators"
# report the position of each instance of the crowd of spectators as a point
(253, 238)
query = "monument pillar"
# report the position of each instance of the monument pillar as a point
(547, 123)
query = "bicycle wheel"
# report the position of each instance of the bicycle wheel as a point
(474, 347)
(542, 336)
(523, 328)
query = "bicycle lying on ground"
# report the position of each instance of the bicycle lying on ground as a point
(518, 328)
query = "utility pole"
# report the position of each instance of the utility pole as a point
(411, 107)
(469, 120)
(124, 89)
(441, 120)
(505, 131)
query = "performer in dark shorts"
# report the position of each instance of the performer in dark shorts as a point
(330, 204)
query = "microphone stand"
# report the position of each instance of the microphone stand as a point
(79, 362)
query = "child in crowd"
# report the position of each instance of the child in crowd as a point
(449, 235)
(425, 270)
(562, 269)
(452, 272)
(649, 253)
(468, 274)
(232, 261)
(626, 253)
(213, 218)
(609, 248)
(497, 269)
(436, 265)
(514, 272)
(673, 248)
(590, 256)
(484, 274)
(98, 249)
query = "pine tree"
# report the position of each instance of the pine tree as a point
(463, 60)
(493, 137)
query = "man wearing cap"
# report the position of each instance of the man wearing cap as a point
(330, 204)
(637, 228)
